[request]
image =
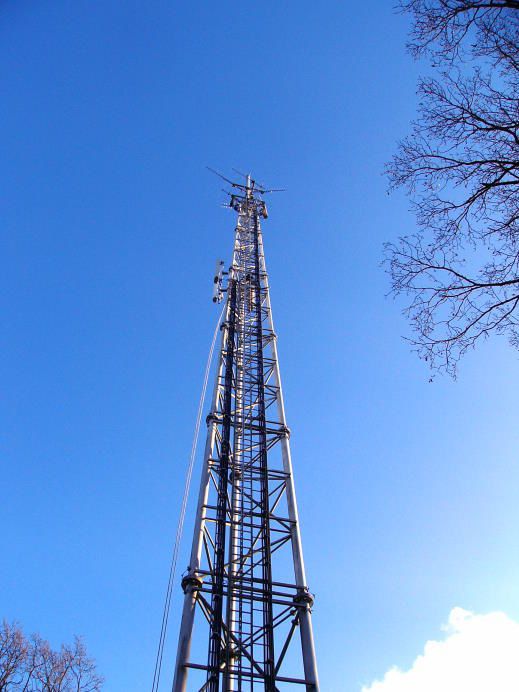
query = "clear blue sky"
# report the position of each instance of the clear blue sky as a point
(110, 226)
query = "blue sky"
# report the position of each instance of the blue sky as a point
(111, 225)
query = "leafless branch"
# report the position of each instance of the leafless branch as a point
(460, 166)
(33, 666)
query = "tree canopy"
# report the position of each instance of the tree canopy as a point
(31, 665)
(460, 166)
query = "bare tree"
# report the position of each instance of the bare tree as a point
(83, 676)
(460, 166)
(13, 655)
(33, 666)
(441, 27)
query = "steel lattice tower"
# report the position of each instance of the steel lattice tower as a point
(246, 575)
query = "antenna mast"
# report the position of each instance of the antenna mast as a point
(246, 576)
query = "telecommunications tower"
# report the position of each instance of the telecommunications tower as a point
(246, 580)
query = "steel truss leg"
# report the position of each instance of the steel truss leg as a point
(192, 582)
(307, 637)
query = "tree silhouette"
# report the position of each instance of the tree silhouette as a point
(31, 665)
(460, 166)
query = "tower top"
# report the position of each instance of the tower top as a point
(246, 198)
(250, 187)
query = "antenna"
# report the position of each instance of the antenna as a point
(250, 185)
(243, 175)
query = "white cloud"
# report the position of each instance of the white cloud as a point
(480, 653)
